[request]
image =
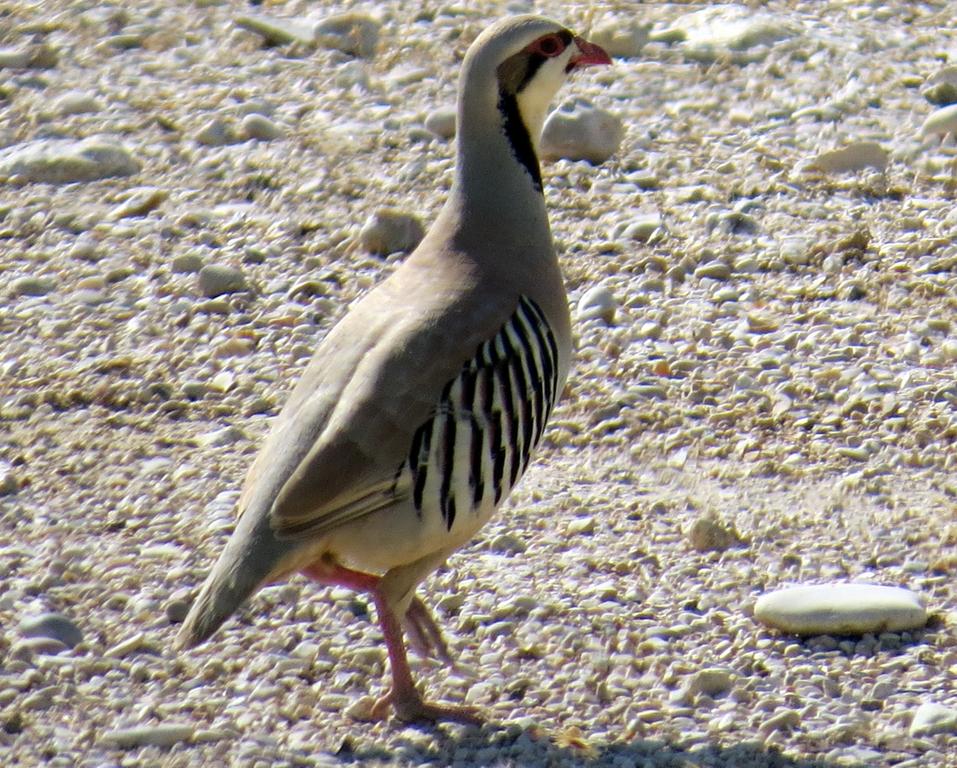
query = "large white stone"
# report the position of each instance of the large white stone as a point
(62, 161)
(931, 719)
(841, 609)
(578, 130)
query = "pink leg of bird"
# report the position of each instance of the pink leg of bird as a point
(403, 695)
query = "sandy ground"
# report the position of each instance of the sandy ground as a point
(805, 396)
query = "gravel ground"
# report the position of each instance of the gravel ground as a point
(774, 351)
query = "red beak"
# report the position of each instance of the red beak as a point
(590, 55)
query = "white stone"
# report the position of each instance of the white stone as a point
(389, 231)
(620, 37)
(61, 161)
(578, 130)
(941, 122)
(354, 33)
(155, 735)
(441, 122)
(598, 301)
(723, 31)
(853, 157)
(277, 31)
(260, 127)
(841, 609)
(931, 719)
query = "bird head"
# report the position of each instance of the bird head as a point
(520, 63)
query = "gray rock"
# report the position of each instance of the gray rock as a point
(260, 127)
(507, 544)
(441, 122)
(165, 735)
(32, 286)
(598, 301)
(841, 609)
(578, 130)
(218, 279)
(52, 625)
(390, 231)
(931, 719)
(187, 263)
(178, 605)
(61, 161)
(709, 535)
(354, 33)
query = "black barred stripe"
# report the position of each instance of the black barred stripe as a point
(488, 420)
(447, 462)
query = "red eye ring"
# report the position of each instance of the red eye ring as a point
(549, 46)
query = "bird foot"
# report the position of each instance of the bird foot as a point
(410, 708)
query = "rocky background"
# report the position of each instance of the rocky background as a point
(759, 247)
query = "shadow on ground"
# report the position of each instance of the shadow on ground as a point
(492, 747)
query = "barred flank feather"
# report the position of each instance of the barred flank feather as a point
(489, 420)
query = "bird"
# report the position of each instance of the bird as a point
(421, 408)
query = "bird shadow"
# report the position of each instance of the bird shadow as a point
(494, 746)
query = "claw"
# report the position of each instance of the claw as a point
(410, 707)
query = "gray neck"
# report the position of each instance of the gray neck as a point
(494, 188)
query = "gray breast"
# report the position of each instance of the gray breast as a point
(489, 419)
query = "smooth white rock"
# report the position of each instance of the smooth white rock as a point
(620, 37)
(390, 231)
(62, 161)
(941, 122)
(441, 122)
(578, 130)
(354, 33)
(277, 31)
(598, 301)
(723, 31)
(853, 157)
(841, 609)
(931, 719)
(260, 127)
(149, 735)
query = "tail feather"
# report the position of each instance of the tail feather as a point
(251, 557)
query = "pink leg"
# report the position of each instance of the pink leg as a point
(403, 696)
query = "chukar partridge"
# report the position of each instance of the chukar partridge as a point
(421, 408)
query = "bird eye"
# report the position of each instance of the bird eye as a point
(550, 45)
